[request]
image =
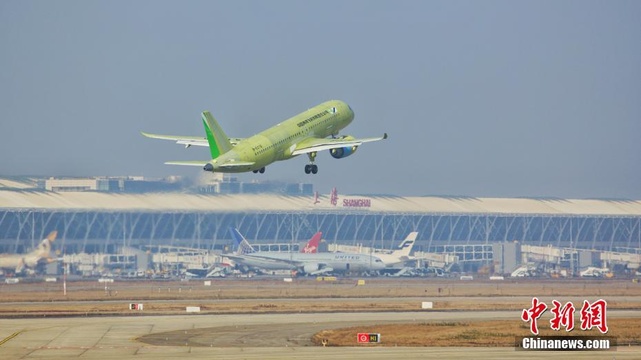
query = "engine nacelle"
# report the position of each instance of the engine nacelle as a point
(311, 268)
(340, 153)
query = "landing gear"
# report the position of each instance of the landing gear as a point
(261, 170)
(311, 168)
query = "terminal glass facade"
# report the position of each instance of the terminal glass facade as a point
(101, 231)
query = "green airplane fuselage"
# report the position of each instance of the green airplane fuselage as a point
(278, 142)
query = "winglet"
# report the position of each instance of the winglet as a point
(384, 136)
(218, 140)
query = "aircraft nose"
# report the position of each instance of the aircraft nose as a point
(350, 111)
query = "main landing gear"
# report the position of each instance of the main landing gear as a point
(311, 168)
(261, 170)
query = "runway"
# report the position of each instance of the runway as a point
(251, 336)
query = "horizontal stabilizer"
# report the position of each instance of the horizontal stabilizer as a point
(187, 140)
(182, 140)
(200, 163)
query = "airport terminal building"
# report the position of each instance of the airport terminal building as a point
(103, 222)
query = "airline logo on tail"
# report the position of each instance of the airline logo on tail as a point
(218, 141)
(312, 246)
(243, 245)
(405, 248)
(41, 254)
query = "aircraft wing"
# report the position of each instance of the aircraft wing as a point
(267, 260)
(187, 140)
(315, 144)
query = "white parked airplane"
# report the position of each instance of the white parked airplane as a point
(308, 263)
(19, 262)
(401, 254)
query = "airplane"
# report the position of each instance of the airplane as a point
(307, 263)
(17, 263)
(401, 254)
(308, 133)
(267, 264)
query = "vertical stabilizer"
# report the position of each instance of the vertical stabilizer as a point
(44, 249)
(218, 140)
(39, 254)
(312, 246)
(406, 246)
(243, 245)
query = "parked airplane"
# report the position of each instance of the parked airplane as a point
(244, 247)
(305, 133)
(17, 263)
(401, 254)
(310, 264)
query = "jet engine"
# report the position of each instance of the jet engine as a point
(311, 268)
(339, 153)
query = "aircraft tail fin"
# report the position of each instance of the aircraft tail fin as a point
(40, 254)
(218, 141)
(312, 246)
(406, 246)
(45, 245)
(243, 245)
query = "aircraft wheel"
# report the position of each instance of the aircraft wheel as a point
(314, 169)
(308, 169)
(254, 171)
(262, 170)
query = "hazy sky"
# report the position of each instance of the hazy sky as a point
(480, 98)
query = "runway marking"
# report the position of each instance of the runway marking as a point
(46, 347)
(10, 337)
